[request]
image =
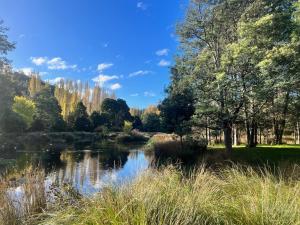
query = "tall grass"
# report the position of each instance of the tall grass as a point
(231, 196)
(22, 197)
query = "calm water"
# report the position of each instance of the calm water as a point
(86, 169)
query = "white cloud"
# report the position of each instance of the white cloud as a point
(102, 79)
(38, 61)
(27, 71)
(53, 64)
(142, 6)
(134, 95)
(43, 73)
(164, 63)
(162, 52)
(104, 66)
(140, 73)
(59, 64)
(55, 80)
(115, 86)
(149, 94)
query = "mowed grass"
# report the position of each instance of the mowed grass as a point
(262, 154)
(232, 196)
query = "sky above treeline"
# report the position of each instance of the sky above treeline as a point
(124, 45)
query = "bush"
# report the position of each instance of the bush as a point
(169, 146)
(131, 137)
(11, 122)
(127, 126)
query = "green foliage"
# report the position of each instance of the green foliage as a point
(25, 108)
(48, 111)
(127, 126)
(137, 123)
(118, 112)
(81, 118)
(176, 112)
(11, 122)
(5, 45)
(151, 122)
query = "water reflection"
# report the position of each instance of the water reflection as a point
(90, 171)
(87, 170)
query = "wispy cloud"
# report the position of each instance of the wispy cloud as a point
(26, 70)
(102, 79)
(38, 61)
(140, 73)
(55, 80)
(162, 52)
(142, 6)
(115, 86)
(164, 62)
(104, 66)
(149, 94)
(56, 63)
(134, 95)
(59, 64)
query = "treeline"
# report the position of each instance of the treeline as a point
(237, 71)
(31, 105)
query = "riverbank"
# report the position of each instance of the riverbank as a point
(230, 196)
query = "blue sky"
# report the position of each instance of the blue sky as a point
(126, 45)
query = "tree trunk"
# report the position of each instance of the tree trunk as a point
(279, 125)
(252, 135)
(298, 133)
(227, 126)
(181, 142)
(235, 135)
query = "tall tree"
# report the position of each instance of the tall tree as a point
(48, 110)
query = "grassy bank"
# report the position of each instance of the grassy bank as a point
(232, 196)
(262, 154)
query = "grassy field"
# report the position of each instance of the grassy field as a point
(262, 154)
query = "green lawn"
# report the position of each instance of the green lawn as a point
(263, 153)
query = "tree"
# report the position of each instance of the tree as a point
(48, 111)
(118, 112)
(176, 112)
(82, 122)
(5, 45)
(25, 108)
(35, 85)
(151, 122)
(137, 123)
(99, 120)
(11, 122)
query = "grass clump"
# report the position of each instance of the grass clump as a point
(232, 196)
(170, 146)
(22, 195)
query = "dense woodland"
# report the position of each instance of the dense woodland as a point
(235, 79)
